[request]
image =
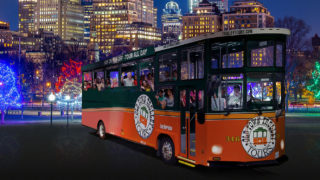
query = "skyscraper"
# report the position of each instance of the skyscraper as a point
(222, 4)
(111, 18)
(247, 14)
(62, 17)
(206, 18)
(26, 15)
(171, 22)
(88, 7)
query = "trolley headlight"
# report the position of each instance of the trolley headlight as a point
(282, 144)
(216, 149)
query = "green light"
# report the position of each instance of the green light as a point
(315, 84)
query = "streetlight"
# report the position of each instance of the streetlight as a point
(67, 98)
(51, 99)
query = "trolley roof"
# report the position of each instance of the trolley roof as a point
(151, 50)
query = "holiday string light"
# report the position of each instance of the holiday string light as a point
(9, 93)
(315, 81)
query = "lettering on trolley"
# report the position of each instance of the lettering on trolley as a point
(144, 116)
(165, 127)
(258, 137)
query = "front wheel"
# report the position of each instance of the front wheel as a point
(101, 131)
(167, 151)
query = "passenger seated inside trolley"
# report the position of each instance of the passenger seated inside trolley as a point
(127, 80)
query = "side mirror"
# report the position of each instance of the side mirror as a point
(201, 117)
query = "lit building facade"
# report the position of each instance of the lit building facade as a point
(206, 18)
(222, 4)
(88, 7)
(64, 18)
(26, 16)
(111, 19)
(4, 25)
(247, 14)
(136, 36)
(6, 40)
(171, 23)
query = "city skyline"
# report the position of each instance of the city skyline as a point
(9, 11)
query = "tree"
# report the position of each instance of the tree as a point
(315, 81)
(9, 93)
(296, 43)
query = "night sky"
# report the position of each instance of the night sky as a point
(304, 9)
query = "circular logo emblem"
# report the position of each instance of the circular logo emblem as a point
(259, 137)
(144, 116)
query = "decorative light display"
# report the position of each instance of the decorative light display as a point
(315, 81)
(70, 71)
(72, 90)
(9, 93)
(69, 85)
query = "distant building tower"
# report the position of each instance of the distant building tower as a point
(247, 14)
(26, 16)
(222, 4)
(171, 23)
(206, 18)
(64, 18)
(88, 7)
(112, 21)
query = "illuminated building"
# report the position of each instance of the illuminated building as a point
(136, 36)
(62, 17)
(26, 15)
(205, 18)
(111, 18)
(247, 14)
(171, 23)
(6, 40)
(4, 25)
(88, 7)
(222, 4)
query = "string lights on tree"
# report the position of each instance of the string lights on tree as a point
(9, 93)
(315, 81)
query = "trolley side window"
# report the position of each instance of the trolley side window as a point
(262, 53)
(226, 92)
(192, 63)
(165, 98)
(129, 75)
(227, 55)
(98, 81)
(87, 83)
(168, 67)
(146, 75)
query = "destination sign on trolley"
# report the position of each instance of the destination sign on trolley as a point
(130, 56)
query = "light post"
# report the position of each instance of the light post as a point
(67, 99)
(51, 99)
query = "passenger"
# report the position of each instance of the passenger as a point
(114, 82)
(129, 81)
(167, 76)
(183, 100)
(145, 86)
(108, 84)
(135, 82)
(161, 99)
(150, 81)
(175, 75)
(235, 97)
(100, 85)
(169, 99)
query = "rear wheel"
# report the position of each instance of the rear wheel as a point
(167, 151)
(101, 130)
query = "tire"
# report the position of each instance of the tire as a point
(167, 152)
(101, 130)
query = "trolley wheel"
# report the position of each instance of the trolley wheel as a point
(167, 151)
(101, 130)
